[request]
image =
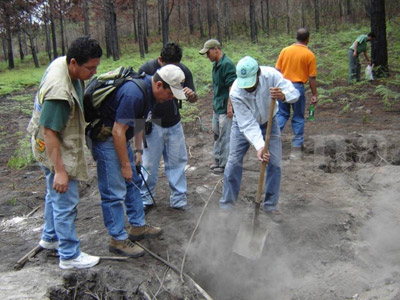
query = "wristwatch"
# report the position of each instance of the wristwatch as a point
(138, 151)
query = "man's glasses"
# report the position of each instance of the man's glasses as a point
(90, 69)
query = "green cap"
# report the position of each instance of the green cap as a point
(209, 45)
(246, 71)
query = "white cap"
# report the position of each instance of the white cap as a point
(174, 76)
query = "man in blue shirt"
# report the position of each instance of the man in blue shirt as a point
(118, 180)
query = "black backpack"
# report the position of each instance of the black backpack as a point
(102, 88)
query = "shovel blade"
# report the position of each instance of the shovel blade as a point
(250, 240)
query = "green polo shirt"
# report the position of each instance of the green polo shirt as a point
(362, 44)
(54, 114)
(223, 75)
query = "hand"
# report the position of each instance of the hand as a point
(276, 93)
(60, 182)
(127, 173)
(263, 157)
(138, 159)
(229, 111)
(190, 94)
(314, 100)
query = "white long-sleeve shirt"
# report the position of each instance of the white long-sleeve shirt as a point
(252, 109)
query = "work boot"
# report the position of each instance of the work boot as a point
(125, 247)
(137, 233)
(275, 215)
(213, 166)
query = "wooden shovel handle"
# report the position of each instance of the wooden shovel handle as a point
(266, 146)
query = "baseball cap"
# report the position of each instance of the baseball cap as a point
(246, 71)
(208, 45)
(174, 76)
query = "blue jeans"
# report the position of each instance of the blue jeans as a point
(60, 212)
(298, 119)
(221, 127)
(115, 191)
(233, 170)
(170, 143)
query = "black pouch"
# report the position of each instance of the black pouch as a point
(148, 127)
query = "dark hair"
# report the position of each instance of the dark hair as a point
(171, 53)
(83, 49)
(371, 34)
(157, 77)
(302, 35)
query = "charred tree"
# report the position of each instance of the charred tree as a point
(253, 25)
(86, 17)
(21, 50)
(140, 29)
(190, 17)
(209, 18)
(134, 9)
(199, 19)
(316, 14)
(53, 29)
(61, 10)
(379, 43)
(218, 6)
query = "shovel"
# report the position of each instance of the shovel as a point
(252, 235)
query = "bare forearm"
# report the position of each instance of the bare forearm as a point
(53, 149)
(313, 85)
(119, 139)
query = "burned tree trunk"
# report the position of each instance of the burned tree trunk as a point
(379, 44)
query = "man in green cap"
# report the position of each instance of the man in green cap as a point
(223, 75)
(251, 93)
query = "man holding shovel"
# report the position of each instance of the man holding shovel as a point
(251, 95)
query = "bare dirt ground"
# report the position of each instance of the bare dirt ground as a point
(340, 237)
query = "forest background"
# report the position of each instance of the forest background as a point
(35, 32)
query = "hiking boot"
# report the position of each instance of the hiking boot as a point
(81, 262)
(184, 208)
(219, 170)
(137, 233)
(275, 215)
(125, 247)
(48, 245)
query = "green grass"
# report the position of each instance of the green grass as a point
(23, 156)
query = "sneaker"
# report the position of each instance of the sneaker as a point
(275, 215)
(213, 166)
(137, 233)
(81, 262)
(219, 170)
(296, 153)
(48, 245)
(125, 247)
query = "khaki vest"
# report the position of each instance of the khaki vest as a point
(57, 85)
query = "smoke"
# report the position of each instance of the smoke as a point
(381, 232)
(226, 275)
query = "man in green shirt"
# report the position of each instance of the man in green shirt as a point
(359, 46)
(223, 75)
(57, 128)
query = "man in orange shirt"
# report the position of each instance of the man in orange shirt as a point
(297, 63)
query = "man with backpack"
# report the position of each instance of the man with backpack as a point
(118, 180)
(166, 138)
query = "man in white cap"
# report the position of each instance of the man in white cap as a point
(223, 75)
(251, 95)
(118, 180)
